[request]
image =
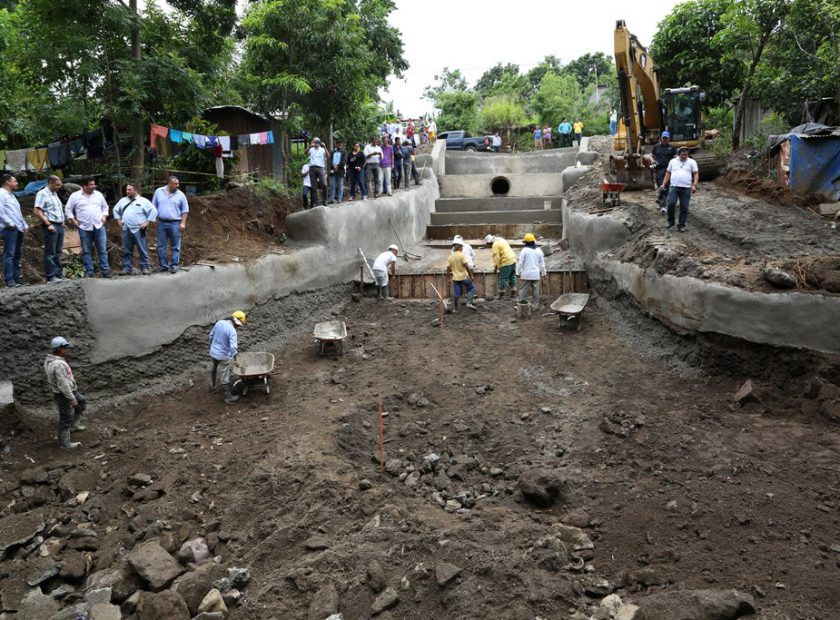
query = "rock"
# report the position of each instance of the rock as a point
(316, 543)
(745, 394)
(100, 595)
(140, 480)
(445, 572)
(74, 567)
(325, 603)
(34, 475)
(573, 536)
(778, 277)
(210, 615)
(365, 484)
(393, 466)
(36, 606)
(232, 597)
(193, 586)
(104, 611)
(611, 604)
(154, 564)
(166, 605)
(672, 506)
(452, 505)
(541, 487)
(626, 612)
(74, 482)
(648, 577)
(238, 577)
(597, 587)
(19, 529)
(375, 576)
(388, 598)
(123, 582)
(412, 480)
(577, 518)
(130, 604)
(829, 208)
(194, 551)
(695, 605)
(213, 601)
(496, 472)
(38, 570)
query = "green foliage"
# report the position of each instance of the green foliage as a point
(550, 64)
(459, 110)
(586, 67)
(720, 118)
(446, 82)
(491, 78)
(557, 97)
(503, 112)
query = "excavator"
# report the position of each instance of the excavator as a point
(646, 111)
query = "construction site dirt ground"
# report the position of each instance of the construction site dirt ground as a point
(675, 484)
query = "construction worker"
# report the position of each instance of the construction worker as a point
(530, 268)
(71, 404)
(462, 276)
(385, 262)
(467, 249)
(224, 351)
(504, 263)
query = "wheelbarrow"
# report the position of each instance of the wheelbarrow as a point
(330, 336)
(254, 370)
(611, 192)
(569, 308)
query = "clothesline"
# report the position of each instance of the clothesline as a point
(55, 155)
(228, 143)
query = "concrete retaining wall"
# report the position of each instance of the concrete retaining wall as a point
(550, 161)
(800, 320)
(521, 185)
(497, 203)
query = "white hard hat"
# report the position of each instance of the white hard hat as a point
(489, 239)
(59, 343)
(458, 239)
(394, 246)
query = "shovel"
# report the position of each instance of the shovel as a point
(442, 300)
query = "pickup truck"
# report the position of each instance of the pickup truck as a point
(463, 141)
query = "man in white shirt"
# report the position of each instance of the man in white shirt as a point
(308, 201)
(530, 269)
(373, 155)
(87, 210)
(12, 229)
(50, 211)
(385, 262)
(466, 249)
(497, 142)
(683, 176)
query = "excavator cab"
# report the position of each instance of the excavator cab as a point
(682, 115)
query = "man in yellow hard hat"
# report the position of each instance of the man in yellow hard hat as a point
(504, 263)
(224, 351)
(530, 268)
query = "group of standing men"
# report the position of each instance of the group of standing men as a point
(87, 210)
(378, 168)
(566, 133)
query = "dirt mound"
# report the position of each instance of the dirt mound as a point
(237, 224)
(747, 181)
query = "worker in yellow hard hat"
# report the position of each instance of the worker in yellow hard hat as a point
(224, 351)
(530, 268)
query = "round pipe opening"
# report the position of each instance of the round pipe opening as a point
(500, 186)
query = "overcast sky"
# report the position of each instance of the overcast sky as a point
(474, 35)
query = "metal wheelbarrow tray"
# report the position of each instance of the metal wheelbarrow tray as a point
(611, 192)
(330, 336)
(569, 307)
(254, 369)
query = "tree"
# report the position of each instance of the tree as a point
(589, 66)
(448, 81)
(748, 27)
(492, 77)
(558, 96)
(550, 64)
(458, 110)
(503, 112)
(687, 51)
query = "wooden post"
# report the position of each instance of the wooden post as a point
(362, 281)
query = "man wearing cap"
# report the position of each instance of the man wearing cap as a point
(462, 276)
(663, 152)
(466, 248)
(224, 351)
(12, 228)
(504, 263)
(71, 404)
(530, 269)
(172, 211)
(134, 213)
(683, 175)
(385, 262)
(318, 158)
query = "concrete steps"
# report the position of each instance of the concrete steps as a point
(497, 203)
(508, 231)
(547, 216)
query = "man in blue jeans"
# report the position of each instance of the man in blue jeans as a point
(683, 175)
(87, 210)
(135, 213)
(172, 210)
(12, 227)
(50, 211)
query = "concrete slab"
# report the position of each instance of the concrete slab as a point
(521, 185)
(508, 231)
(549, 161)
(496, 203)
(499, 217)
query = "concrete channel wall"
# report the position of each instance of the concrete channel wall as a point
(549, 161)
(800, 320)
(520, 185)
(132, 332)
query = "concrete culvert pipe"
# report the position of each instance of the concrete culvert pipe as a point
(500, 186)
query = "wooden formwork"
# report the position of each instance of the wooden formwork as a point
(419, 285)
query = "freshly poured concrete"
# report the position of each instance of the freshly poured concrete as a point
(497, 203)
(543, 216)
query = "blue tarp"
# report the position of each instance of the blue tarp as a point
(815, 165)
(32, 188)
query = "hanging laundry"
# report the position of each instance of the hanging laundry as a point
(255, 138)
(262, 137)
(38, 159)
(16, 160)
(157, 130)
(224, 143)
(212, 141)
(245, 140)
(59, 154)
(200, 141)
(270, 137)
(95, 144)
(77, 146)
(176, 136)
(188, 137)
(234, 144)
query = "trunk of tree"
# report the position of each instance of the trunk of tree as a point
(136, 124)
(745, 93)
(332, 146)
(284, 138)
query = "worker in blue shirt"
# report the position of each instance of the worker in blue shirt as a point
(565, 131)
(224, 351)
(172, 209)
(135, 213)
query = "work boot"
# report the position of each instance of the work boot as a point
(513, 292)
(79, 423)
(387, 290)
(470, 304)
(213, 377)
(64, 440)
(229, 396)
(455, 301)
(379, 292)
